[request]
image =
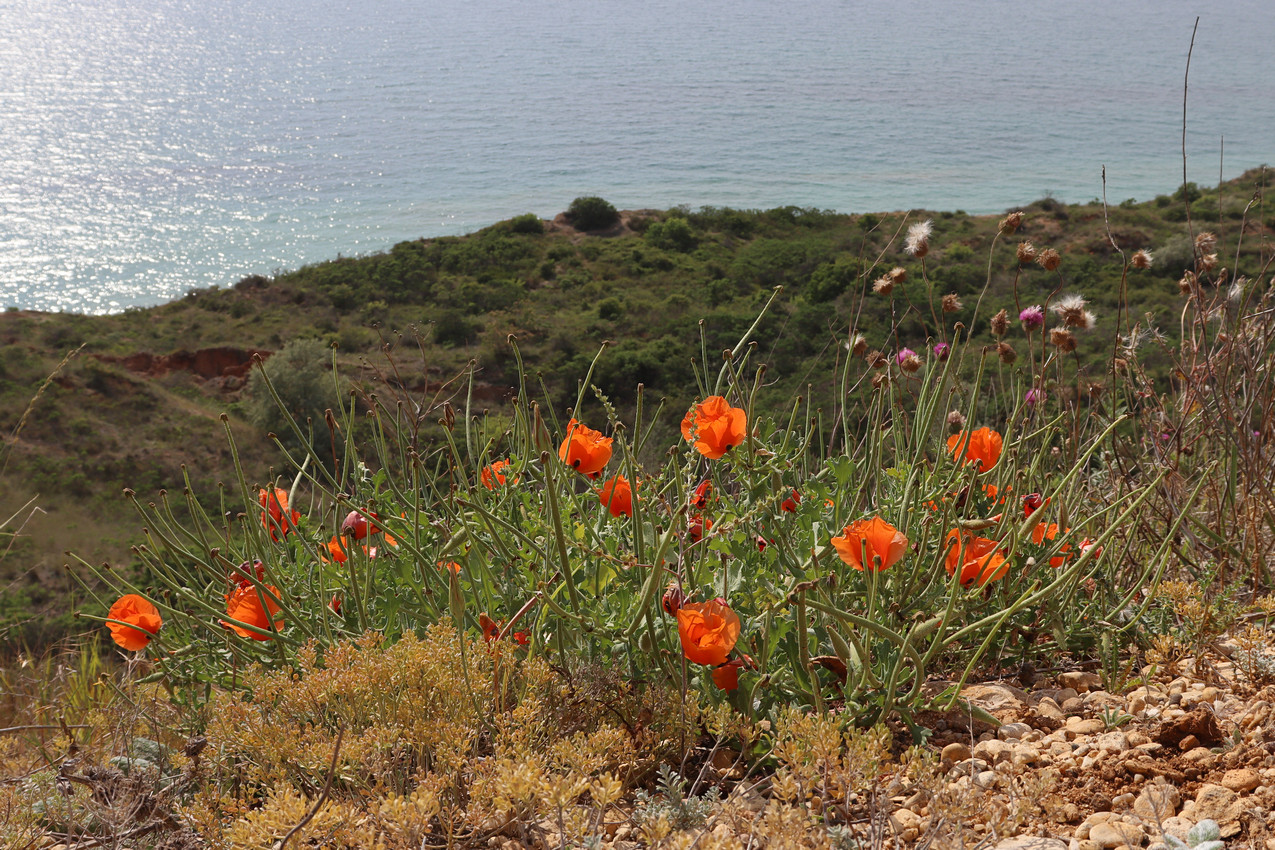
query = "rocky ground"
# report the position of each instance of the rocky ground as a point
(1114, 771)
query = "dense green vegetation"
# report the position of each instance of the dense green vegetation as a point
(662, 289)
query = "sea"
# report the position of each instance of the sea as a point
(150, 147)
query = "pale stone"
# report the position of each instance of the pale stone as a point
(956, 752)
(995, 697)
(1158, 802)
(1198, 754)
(1113, 742)
(1075, 705)
(992, 751)
(1122, 802)
(1241, 780)
(1012, 731)
(1178, 827)
(907, 824)
(1031, 842)
(1113, 834)
(1081, 681)
(985, 780)
(1214, 802)
(1024, 754)
(1049, 708)
(1210, 695)
(1136, 738)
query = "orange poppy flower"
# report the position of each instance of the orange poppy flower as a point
(138, 621)
(790, 504)
(244, 605)
(978, 558)
(1043, 532)
(275, 516)
(336, 604)
(885, 544)
(584, 449)
(726, 677)
(714, 426)
(449, 565)
(673, 599)
(494, 474)
(1033, 502)
(696, 527)
(703, 493)
(617, 496)
(708, 631)
(336, 549)
(491, 629)
(982, 447)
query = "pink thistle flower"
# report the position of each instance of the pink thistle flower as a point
(1032, 318)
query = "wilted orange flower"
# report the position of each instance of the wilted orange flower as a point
(714, 427)
(584, 449)
(494, 474)
(790, 504)
(1043, 532)
(244, 605)
(703, 493)
(673, 599)
(336, 549)
(885, 544)
(977, 557)
(142, 619)
(708, 631)
(617, 496)
(491, 629)
(275, 516)
(982, 447)
(696, 527)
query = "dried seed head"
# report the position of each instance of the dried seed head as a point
(918, 240)
(1187, 283)
(1011, 222)
(881, 379)
(858, 345)
(955, 421)
(1063, 339)
(951, 303)
(1071, 309)
(898, 274)
(911, 363)
(1000, 324)
(1026, 252)
(883, 285)
(1207, 262)
(1220, 278)
(1048, 259)
(876, 359)
(1205, 242)
(1006, 352)
(1238, 288)
(1141, 259)
(1094, 390)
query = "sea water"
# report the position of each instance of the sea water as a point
(151, 146)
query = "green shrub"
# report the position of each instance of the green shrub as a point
(673, 234)
(527, 223)
(592, 213)
(300, 374)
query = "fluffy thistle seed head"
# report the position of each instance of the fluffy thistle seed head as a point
(1205, 242)
(1026, 252)
(911, 363)
(1141, 259)
(1063, 339)
(951, 303)
(1071, 309)
(955, 421)
(918, 240)
(1048, 259)
(876, 359)
(1208, 262)
(883, 285)
(898, 274)
(858, 345)
(1187, 283)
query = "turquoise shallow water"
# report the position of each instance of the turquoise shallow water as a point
(152, 146)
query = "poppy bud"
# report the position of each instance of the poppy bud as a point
(356, 525)
(673, 599)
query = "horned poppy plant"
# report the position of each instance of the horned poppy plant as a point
(978, 558)
(275, 516)
(244, 605)
(703, 493)
(714, 427)
(584, 449)
(726, 676)
(493, 475)
(884, 544)
(708, 631)
(982, 447)
(790, 504)
(1043, 532)
(138, 620)
(617, 496)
